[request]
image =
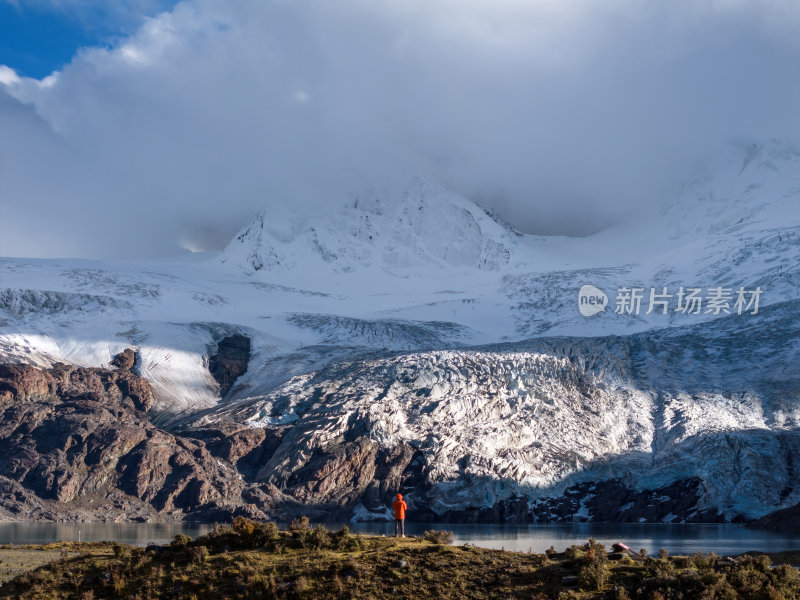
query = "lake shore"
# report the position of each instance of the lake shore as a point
(252, 560)
(721, 538)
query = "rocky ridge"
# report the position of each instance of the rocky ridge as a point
(76, 443)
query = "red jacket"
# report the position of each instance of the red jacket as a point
(399, 507)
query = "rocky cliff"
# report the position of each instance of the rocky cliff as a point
(76, 443)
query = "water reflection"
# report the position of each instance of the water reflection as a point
(139, 534)
(677, 539)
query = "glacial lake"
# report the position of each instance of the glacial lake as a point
(676, 539)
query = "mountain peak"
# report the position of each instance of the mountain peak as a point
(416, 225)
(748, 184)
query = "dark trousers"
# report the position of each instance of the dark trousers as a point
(401, 524)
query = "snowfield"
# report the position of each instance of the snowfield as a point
(413, 317)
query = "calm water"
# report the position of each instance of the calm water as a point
(683, 539)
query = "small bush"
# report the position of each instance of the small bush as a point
(356, 542)
(573, 552)
(764, 563)
(250, 534)
(663, 568)
(301, 584)
(683, 562)
(199, 554)
(663, 554)
(626, 560)
(344, 540)
(319, 537)
(594, 573)
(243, 526)
(269, 530)
(181, 540)
(704, 561)
(593, 576)
(596, 553)
(622, 594)
(551, 551)
(437, 536)
(300, 525)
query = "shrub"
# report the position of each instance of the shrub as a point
(622, 594)
(714, 559)
(437, 536)
(301, 584)
(269, 530)
(250, 534)
(785, 582)
(344, 540)
(355, 542)
(243, 526)
(683, 562)
(300, 525)
(663, 554)
(199, 554)
(593, 576)
(663, 568)
(626, 560)
(551, 551)
(704, 561)
(594, 573)
(181, 540)
(573, 552)
(764, 563)
(319, 537)
(596, 553)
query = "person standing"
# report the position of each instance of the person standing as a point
(400, 515)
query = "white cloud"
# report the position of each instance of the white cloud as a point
(8, 77)
(545, 109)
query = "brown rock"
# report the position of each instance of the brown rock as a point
(81, 436)
(24, 383)
(230, 361)
(137, 389)
(339, 474)
(125, 360)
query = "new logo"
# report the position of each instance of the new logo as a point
(591, 300)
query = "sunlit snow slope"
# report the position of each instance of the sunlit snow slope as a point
(413, 319)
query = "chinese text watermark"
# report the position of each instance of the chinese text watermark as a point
(685, 300)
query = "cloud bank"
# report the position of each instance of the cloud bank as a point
(563, 116)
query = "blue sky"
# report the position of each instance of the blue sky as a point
(40, 36)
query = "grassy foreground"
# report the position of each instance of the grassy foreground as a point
(255, 560)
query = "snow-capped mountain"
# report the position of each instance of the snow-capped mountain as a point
(419, 226)
(411, 340)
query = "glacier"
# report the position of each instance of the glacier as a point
(412, 340)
